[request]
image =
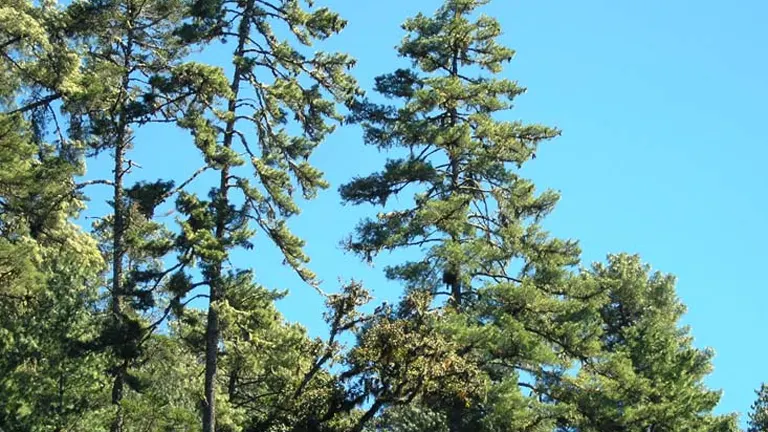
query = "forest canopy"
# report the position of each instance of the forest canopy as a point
(137, 319)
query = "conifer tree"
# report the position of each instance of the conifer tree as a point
(758, 416)
(135, 75)
(509, 309)
(647, 374)
(278, 110)
(38, 64)
(48, 266)
(276, 376)
(168, 379)
(48, 276)
(495, 330)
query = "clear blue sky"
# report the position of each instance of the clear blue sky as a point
(661, 104)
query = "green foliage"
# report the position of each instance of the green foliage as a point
(273, 382)
(514, 309)
(262, 123)
(758, 416)
(133, 74)
(496, 330)
(648, 374)
(472, 213)
(169, 383)
(411, 418)
(475, 219)
(260, 143)
(407, 352)
(38, 65)
(48, 274)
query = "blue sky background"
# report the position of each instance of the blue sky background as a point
(661, 105)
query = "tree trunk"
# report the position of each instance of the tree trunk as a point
(117, 274)
(212, 331)
(211, 365)
(455, 417)
(457, 409)
(118, 225)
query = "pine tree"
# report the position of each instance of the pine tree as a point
(38, 64)
(495, 330)
(48, 274)
(758, 417)
(276, 376)
(407, 355)
(277, 112)
(169, 379)
(48, 266)
(509, 309)
(648, 375)
(134, 75)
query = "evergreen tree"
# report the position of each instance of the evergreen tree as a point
(758, 417)
(278, 110)
(48, 279)
(509, 309)
(411, 418)
(135, 75)
(38, 64)
(648, 375)
(276, 376)
(406, 355)
(495, 330)
(168, 380)
(48, 267)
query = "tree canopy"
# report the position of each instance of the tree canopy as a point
(499, 325)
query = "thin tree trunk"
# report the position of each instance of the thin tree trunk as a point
(456, 411)
(212, 331)
(211, 363)
(117, 276)
(455, 168)
(118, 228)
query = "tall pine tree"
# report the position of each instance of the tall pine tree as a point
(135, 75)
(278, 110)
(508, 308)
